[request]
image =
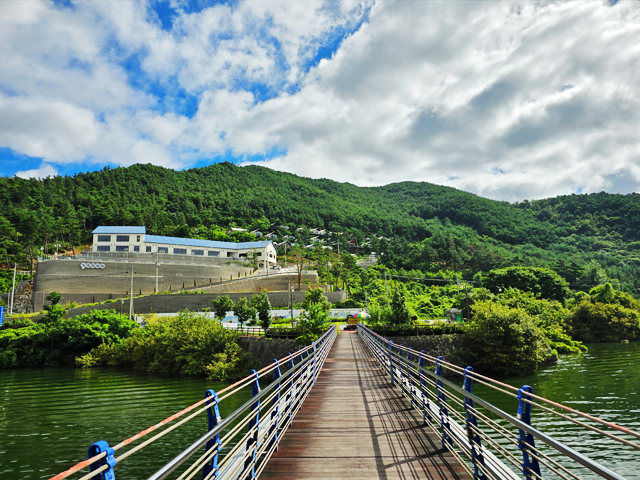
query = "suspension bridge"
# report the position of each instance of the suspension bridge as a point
(356, 405)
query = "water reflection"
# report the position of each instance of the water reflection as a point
(49, 417)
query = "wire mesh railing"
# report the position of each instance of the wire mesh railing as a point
(237, 446)
(487, 441)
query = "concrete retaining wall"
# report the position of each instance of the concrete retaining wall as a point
(68, 278)
(266, 350)
(271, 283)
(195, 302)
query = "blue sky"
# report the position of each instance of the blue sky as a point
(508, 100)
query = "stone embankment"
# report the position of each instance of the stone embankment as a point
(450, 347)
(22, 302)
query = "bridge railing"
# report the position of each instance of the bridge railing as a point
(488, 442)
(238, 446)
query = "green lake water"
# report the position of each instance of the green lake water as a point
(49, 417)
(605, 382)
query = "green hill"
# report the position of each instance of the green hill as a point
(431, 227)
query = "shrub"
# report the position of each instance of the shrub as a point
(189, 344)
(505, 340)
(60, 342)
(600, 322)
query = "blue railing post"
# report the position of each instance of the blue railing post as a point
(391, 368)
(315, 364)
(275, 414)
(426, 409)
(529, 464)
(290, 395)
(252, 441)
(300, 380)
(213, 418)
(109, 460)
(475, 443)
(410, 385)
(403, 374)
(445, 427)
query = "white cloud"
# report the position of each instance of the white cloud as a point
(44, 171)
(508, 100)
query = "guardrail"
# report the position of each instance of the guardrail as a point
(488, 442)
(238, 446)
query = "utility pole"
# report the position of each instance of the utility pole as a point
(157, 262)
(466, 292)
(13, 288)
(290, 300)
(131, 296)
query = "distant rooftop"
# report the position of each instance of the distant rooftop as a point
(131, 230)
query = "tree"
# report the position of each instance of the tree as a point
(600, 322)
(243, 311)
(297, 255)
(263, 307)
(399, 310)
(504, 340)
(313, 322)
(253, 257)
(380, 311)
(542, 281)
(54, 311)
(592, 275)
(221, 306)
(316, 296)
(55, 298)
(349, 271)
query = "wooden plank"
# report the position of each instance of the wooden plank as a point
(356, 424)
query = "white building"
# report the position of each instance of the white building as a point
(136, 240)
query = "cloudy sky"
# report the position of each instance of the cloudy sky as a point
(504, 99)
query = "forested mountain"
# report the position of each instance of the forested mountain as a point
(430, 227)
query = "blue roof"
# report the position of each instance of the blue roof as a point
(195, 242)
(131, 230)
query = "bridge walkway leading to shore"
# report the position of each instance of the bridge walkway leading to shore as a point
(356, 424)
(357, 405)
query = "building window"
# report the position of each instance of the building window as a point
(138, 238)
(148, 249)
(122, 238)
(229, 254)
(122, 248)
(136, 248)
(213, 253)
(179, 251)
(104, 238)
(104, 248)
(197, 252)
(163, 249)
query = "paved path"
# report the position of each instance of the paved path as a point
(355, 424)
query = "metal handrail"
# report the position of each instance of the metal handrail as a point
(293, 385)
(414, 377)
(194, 447)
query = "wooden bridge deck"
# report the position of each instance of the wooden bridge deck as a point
(356, 424)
